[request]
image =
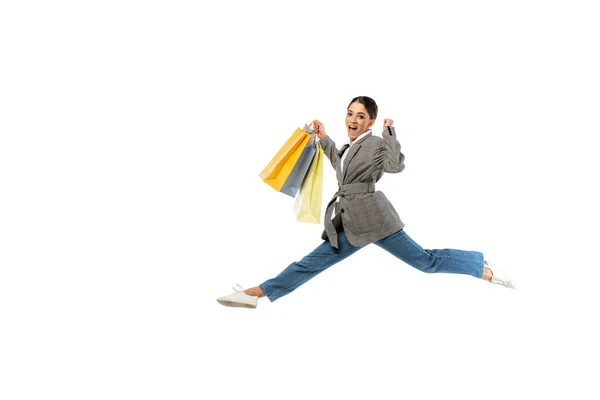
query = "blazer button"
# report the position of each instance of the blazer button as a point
(342, 210)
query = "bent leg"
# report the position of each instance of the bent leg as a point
(433, 261)
(310, 266)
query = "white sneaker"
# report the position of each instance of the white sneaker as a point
(500, 277)
(239, 299)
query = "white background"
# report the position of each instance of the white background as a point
(132, 135)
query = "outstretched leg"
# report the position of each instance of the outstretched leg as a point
(434, 261)
(310, 266)
(293, 276)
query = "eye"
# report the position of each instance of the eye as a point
(349, 113)
(361, 117)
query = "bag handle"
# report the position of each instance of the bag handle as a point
(308, 127)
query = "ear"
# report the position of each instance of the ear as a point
(371, 123)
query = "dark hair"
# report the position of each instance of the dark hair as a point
(369, 104)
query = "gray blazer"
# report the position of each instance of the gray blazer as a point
(367, 215)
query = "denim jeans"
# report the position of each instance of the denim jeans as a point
(399, 244)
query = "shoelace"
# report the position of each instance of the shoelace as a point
(241, 289)
(500, 281)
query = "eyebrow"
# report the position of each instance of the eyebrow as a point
(360, 112)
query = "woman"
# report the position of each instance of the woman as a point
(363, 215)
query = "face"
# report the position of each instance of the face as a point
(357, 120)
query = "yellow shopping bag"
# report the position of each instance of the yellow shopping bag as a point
(307, 205)
(279, 168)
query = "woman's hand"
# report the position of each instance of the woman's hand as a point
(319, 129)
(388, 122)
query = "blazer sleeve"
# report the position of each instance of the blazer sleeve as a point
(389, 156)
(330, 151)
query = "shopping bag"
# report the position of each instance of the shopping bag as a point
(280, 166)
(307, 205)
(294, 180)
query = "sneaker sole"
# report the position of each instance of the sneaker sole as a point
(235, 304)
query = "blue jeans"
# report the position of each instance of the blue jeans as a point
(399, 244)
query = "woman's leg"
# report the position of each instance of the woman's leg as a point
(434, 261)
(301, 271)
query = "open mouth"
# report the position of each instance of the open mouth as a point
(352, 128)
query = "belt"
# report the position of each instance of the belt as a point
(343, 190)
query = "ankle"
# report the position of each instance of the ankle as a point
(254, 291)
(487, 274)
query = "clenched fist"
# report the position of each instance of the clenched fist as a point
(319, 129)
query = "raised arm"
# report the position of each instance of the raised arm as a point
(389, 156)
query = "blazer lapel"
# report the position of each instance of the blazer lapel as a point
(351, 153)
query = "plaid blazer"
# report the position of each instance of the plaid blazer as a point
(367, 215)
